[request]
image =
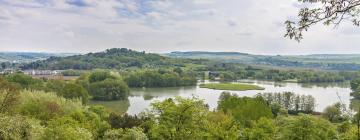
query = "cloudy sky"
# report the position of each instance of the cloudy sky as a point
(251, 26)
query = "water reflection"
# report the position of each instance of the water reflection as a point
(325, 94)
(326, 85)
(120, 106)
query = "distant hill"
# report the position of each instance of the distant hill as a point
(120, 58)
(316, 61)
(116, 58)
(25, 57)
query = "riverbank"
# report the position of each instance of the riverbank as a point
(230, 86)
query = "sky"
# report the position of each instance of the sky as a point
(160, 26)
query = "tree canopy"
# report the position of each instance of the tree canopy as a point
(328, 12)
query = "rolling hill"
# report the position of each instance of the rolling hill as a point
(116, 58)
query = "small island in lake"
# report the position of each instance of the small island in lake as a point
(231, 86)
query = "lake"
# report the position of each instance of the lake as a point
(325, 94)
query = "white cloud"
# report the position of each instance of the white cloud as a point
(162, 26)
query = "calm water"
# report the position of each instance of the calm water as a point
(325, 94)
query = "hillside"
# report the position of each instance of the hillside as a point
(316, 61)
(116, 58)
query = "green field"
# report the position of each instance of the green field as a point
(230, 86)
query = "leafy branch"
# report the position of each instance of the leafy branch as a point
(328, 12)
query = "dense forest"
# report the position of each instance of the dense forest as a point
(110, 59)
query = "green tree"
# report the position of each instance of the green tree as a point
(109, 90)
(124, 121)
(91, 122)
(99, 75)
(178, 70)
(66, 128)
(74, 91)
(221, 126)
(25, 81)
(134, 80)
(125, 134)
(263, 129)
(178, 119)
(306, 127)
(45, 106)
(244, 109)
(334, 113)
(227, 76)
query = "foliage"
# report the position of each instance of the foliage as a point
(115, 58)
(15, 127)
(263, 129)
(45, 106)
(125, 134)
(75, 91)
(244, 109)
(239, 71)
(124, 121)
(69, 90)
(350, 134)
(306, 127)
(227, 76)
(179, 118)
(109, 90)
(9, 94)
(71, 73)
(151, 78)
(63, 118)
(229, 86)
(25, 81)
(335, 113)
(291, 102)
(98, 76)
(57, 112)
(66, 128)
(100, 111)
(221, 126)
(355, 87)
(229, 61)
(329, 12)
